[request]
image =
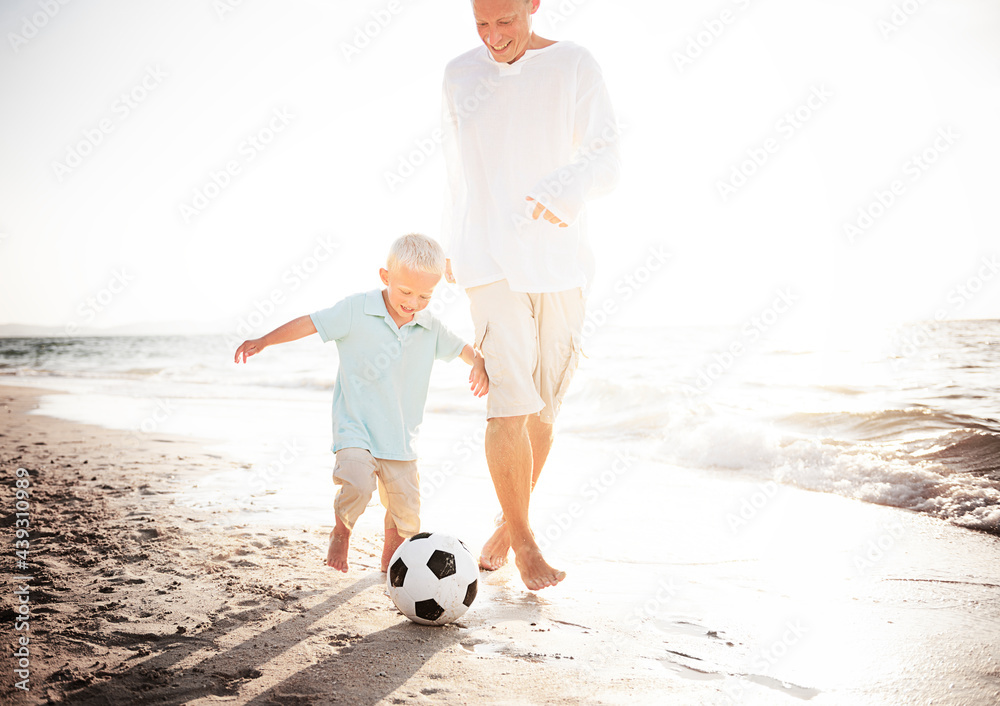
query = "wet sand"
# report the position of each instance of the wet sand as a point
(136, 597)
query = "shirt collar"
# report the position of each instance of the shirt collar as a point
(422, 318)
(505, 69)
(375, 306)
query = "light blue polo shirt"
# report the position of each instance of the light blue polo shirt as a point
(378, 401)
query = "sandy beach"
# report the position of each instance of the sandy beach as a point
(137, 598)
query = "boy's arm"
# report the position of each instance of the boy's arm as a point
(479, 381)
(292, 331)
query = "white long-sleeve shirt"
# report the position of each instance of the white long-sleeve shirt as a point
(542, 127)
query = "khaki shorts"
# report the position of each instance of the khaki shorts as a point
(398, 489)
(532, 345)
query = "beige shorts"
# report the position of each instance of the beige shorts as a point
(398, 485)
(532, 346)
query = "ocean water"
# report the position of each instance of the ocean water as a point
(907, 419)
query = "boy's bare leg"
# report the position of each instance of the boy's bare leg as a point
(340, 542)
(509, 455)
(392, 542)
(494, 554)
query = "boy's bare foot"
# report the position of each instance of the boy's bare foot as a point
(535, 571)
(340, 542)
(494, 553)
(392, 542)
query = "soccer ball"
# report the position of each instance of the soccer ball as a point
(432, 578)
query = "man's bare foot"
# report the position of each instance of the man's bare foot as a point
(340, 542)
(392, 542)
(494, 554)
(535, 571)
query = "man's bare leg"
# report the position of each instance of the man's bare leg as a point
(494, 554)
(509, 456)
(496, 549)
(340, 542)
(392, 541)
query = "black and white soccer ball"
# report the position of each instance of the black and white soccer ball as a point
(432, 578)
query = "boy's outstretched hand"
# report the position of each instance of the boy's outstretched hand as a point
(479, 381)
(249, 348)
(292, 331)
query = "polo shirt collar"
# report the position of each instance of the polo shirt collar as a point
(375, 306)
(422, 318)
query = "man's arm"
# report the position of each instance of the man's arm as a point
(594, 170)
(449, 142)
(292, 331)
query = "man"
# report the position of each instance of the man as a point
(530, 135)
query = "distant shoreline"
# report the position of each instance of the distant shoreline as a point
(177, 328)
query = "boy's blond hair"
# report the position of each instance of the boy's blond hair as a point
(418, 252)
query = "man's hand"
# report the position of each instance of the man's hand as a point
(448, 276)
(479, 381)
(540, 210)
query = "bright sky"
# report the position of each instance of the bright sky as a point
(185, 161)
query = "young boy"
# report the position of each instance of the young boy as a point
(387, 344)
